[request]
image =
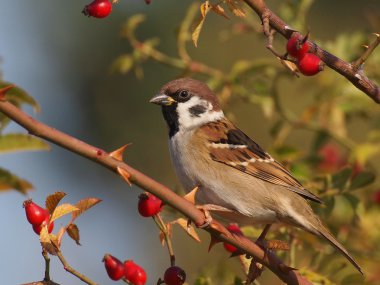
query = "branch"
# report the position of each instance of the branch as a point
(68, 268)
(98, 155)
(351, 71)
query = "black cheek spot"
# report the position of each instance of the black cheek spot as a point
(197, 110)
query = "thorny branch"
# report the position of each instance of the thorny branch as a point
(218, 231)
(352, 71)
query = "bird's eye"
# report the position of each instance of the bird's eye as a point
(183, 94)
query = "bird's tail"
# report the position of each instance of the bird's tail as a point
(322, 231)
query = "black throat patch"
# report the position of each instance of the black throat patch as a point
(197, 110)
(171, 118)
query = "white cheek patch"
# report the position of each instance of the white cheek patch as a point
(189, 120)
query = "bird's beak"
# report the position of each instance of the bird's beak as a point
(162, 99)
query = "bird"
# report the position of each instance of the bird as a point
(229, 168)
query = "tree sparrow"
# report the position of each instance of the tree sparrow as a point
(230, 169)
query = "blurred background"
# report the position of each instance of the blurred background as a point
(64, 60)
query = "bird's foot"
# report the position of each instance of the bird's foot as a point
(206, 209)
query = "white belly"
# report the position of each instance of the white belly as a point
(238, 191)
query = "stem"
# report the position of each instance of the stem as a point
(356, 65)
(45, 254)
(68, 268)
(164, 229)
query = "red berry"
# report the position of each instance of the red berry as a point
(34, 213)
(98, 9)
(174, 276)
(134, 273)
(233, 228)
(114, 267)
(331, 158)
(149, 205)
(37, 228)
(296, 46)
(376, 197)
(310, 64)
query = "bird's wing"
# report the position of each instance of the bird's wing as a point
(229, 145)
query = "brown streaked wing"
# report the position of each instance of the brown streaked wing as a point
(227, 147)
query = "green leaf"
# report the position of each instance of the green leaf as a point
(353, 200)
(286, 152)
(340, 179)
(21, 142)
(362, 179)
(19, 96)
(320, 140)
(10, 181)
(329, 205)
(122, 64)
(238, 281)
(202, 281)
(301, 171)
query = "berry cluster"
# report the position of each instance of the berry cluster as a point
(37, 216)
(308, 63)
(128, 270)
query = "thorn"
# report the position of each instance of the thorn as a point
(118, 154)
(288, 28)
(306, 37)
(191, 195)
(125, 174)
(4, 90)
(358, 76)
(213, 242)
(376, 35)
(219, 228)
(365, 46)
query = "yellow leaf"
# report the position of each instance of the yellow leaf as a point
(219, 10)
(53, 200)
(62, 210)
(46, 242)
(162, 238)
(205, 8)
(44, 235)
(363, 152)
(189, 229)
(277, 245)
(60, 234)
(85, 204)
(235, 9)
(73, 232)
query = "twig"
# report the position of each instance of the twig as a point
(164, 229)
(356, 65)
(98, 155)
(68, 268)
(45, 254)
(342, 67)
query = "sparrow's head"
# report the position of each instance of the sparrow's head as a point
(186, 104)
